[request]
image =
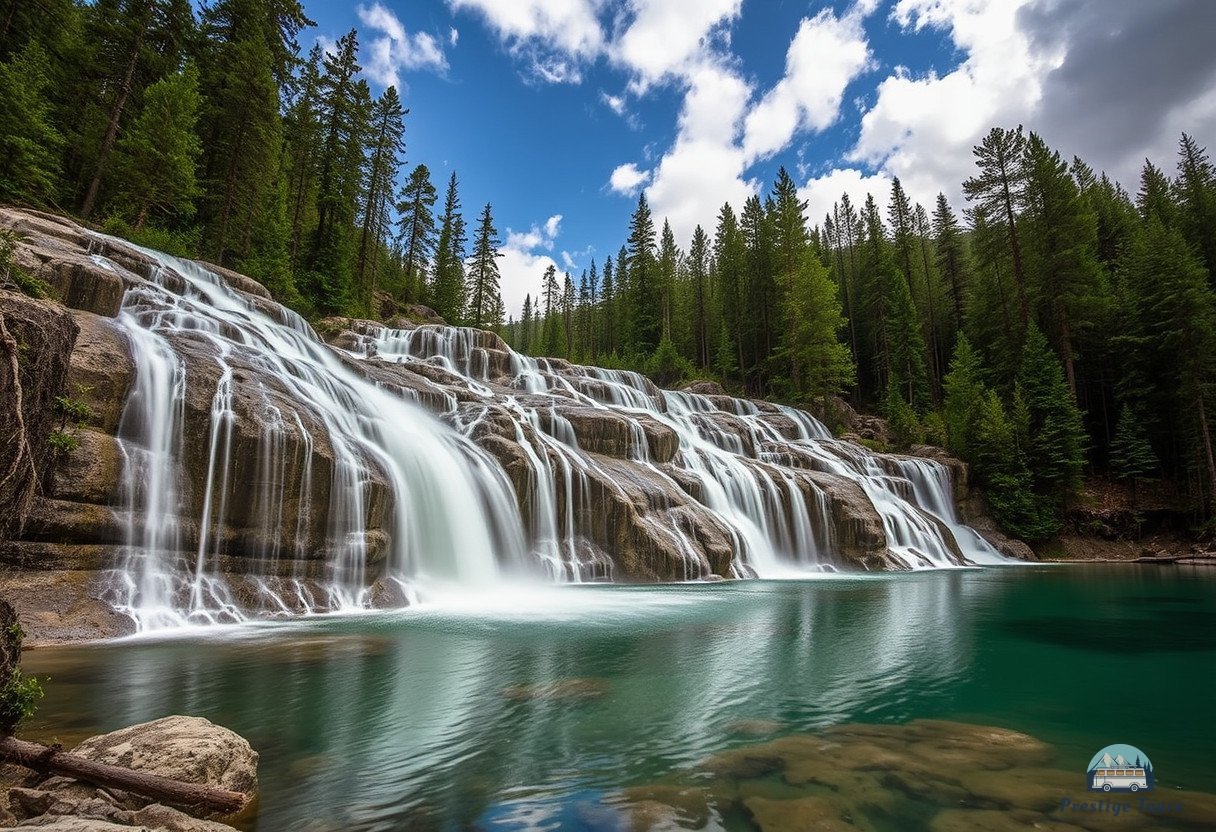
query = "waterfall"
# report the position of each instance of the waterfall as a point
(323, 480)
(451, 513)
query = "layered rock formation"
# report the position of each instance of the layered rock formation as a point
(224, 461)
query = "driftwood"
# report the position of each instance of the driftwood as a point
(206, 799)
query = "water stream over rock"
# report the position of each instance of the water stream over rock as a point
(269, 469)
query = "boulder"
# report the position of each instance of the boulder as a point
(186, 748)
(101, 370)
(704, 388)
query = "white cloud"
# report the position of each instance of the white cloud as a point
(627, 178)
(822, 192)
(554, 37)
(823, 58)
(453, 36)
(667, 37)
(616, 103)
(523, 262)
(392, 49)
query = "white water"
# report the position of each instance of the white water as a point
(449, 515)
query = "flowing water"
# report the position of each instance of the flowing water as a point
(539, 709)
(451, 515)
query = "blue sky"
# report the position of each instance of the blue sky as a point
(559, 111)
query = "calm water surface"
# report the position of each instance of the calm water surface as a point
(523, 709)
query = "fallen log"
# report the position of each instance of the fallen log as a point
(208, 800)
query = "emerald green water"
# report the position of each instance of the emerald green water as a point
(433, 719)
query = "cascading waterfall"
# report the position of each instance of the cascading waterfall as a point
(365, 492)
(452, 513)
(916, 505)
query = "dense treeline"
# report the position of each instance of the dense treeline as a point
(1052, 324)
(212, 136)
(1059, 325)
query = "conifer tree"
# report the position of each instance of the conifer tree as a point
(1001, 468)
(608, 312)
(964, 395)
(645, 283)
(1131, 454)
(157, 155)
(1196, 187)
(380, 168)
(698, 275)
(820, 364)
(301, 142)
(448, 293)
(951, 256)
(551, 291)
(1055, 451)
(416, 232)
(523, 341)
(729, 265)
(999, 191)
(29, 144)
(483, 278)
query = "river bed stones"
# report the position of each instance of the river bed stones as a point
(922, 776)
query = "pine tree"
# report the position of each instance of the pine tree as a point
(668, 257)
(608, 312)
(523, 341)
(157, 155)
(951, 257)
(820, 364)
(551, 291)
(301, 141)
(483, 277)
(1196, 187)
(698, 275)
(1001, 469)
(964, 394)
(1062, 250)
(899, 218)
(416, 231)
(905, 340)
(128, 45)
(729, 265)
(1131, 454)
(246, 54)
(29, 144)
(448, 293)
(644, 288)
(380, 169)
(1055, 452)
(724, 354)
(999, 191)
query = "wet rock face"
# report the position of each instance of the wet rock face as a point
(36, 339)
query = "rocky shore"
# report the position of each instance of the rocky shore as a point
(183, 748)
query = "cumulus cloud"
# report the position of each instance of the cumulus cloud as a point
(1092, 77)
(553, 38)
(524, 260)
(665, 38)
(391, 49)
(627, 178)
(822, 192)
(824, 57)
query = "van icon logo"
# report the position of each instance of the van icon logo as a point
(1120, 768)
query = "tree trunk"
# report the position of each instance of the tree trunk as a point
(107, 143)
(209, 799)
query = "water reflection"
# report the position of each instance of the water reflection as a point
(379, 722)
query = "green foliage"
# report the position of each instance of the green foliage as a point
(1055, 447)
(27, 283)
(179, 243)
(72, 410)
(666, 367)
(63, 442)
(964, 394)
(19, 697)
(29, 143)
(155, 159)
(905, 427)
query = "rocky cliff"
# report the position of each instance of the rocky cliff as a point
(185, 449)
